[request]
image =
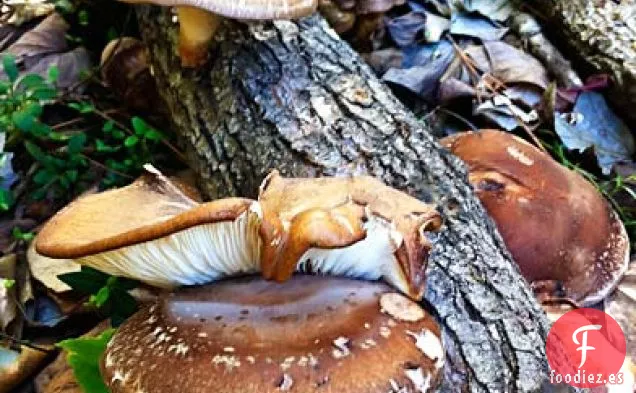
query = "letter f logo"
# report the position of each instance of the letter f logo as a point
(583, 345)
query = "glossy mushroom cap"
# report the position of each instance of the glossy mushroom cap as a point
(559, 229)
(348, 226)
(153, 232)
(309, 334)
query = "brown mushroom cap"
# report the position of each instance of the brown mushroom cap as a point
(557, 226)
(152, 231)
(245, 9)
(352, 226)
(368, 6)
(249, 335)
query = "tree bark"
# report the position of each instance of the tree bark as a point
(293, 96)
(599, 36)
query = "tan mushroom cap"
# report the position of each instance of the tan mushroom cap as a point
(152, 231)
(245, 9)
(315, 224)
(557, 226)
(309, 334)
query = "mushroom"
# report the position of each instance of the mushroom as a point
(566, 239)
(199, 19)
(353, 226)
(306, 335)
(153, 232)
(367, 15)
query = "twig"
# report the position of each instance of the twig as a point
(104, 167)
(26, 343)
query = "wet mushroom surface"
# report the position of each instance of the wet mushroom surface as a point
(308, 334)
(567, 240)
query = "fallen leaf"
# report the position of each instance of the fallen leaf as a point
(406, 29)
(593, 124)
(383, 59)
(46, 270)
(477, 27)
(44, 312)
(499, 10)
(48, 37)
(512, 65)
(8, 307)
(16, 367)
(435, 27)
(506, 114)
(7, 176)
(423, 67)
(452, 88)
(44, 46)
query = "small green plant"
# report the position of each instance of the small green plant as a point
(107, 293)
(84, 355)
(66, 154)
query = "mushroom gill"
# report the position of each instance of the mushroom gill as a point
(249, 335)
(567, 240)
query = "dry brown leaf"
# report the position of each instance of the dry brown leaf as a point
(46, 270)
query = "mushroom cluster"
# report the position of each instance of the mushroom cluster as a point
(308, 334)
(567, 240)
(272, 333)
(153, 232)
(199, 19)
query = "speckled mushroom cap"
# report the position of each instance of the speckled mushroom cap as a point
(557, 226)
(309, 334)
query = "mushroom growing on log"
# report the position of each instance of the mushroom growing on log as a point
(199, 20)
(293, 96)
(567, 240)
(153, 232)
(306, 335)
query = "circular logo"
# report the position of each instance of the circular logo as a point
(586, 348)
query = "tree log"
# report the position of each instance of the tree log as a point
(600, 36)
(293, 96)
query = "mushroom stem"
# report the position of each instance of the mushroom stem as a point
(196, 29)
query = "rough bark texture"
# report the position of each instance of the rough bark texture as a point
(601, 36)
(293, 96)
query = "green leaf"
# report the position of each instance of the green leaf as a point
(43, 176)
(84, 355)
(108, 126)
(6, 200)
(19, 235)
(23, 120)
(82, 16)
(119, 134)
(102, 147)
(7, 283)
(10, 68)
(76, 143)
(82, 107)
(35, 152)
(30, 81)
(54, 74)
(87, 281)
(131, 141)
(154, 135)
(45, 93)
(101, 297)
(139, 125)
